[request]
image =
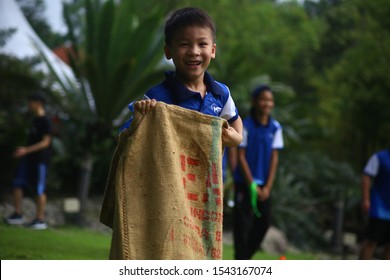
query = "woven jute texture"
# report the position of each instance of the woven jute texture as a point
(163, 197)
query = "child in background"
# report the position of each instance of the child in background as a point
(32, 169)
(257, 164)
(376, 203)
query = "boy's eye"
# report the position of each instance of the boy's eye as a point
(203, 44)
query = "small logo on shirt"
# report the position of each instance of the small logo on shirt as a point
(215, 108)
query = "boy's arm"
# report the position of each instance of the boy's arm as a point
(370, 171)
(44, 143)
(266, 190)
(232, 135)
(232, 158)
(366, 185)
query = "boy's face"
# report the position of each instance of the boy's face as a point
(191, 50)
(34, 106)
(264, 102)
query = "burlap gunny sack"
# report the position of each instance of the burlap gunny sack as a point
(163, 196)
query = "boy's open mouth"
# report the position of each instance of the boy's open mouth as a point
(193, 63)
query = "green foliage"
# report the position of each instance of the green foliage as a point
(352, 82)
(307, 187)
(115, 59)
(121, 54)
(267, 39)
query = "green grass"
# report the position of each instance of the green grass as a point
(70, 243)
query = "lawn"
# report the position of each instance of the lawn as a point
(65, 243)
(70, 243)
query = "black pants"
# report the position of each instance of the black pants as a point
(249, 230)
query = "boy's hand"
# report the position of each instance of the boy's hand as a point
(263, 193)
(20, 152)
(230, 137)
(232, 134)
(145, 106)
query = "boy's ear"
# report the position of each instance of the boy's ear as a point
(214, 51)
(167, 52)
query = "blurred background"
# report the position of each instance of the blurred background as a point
(328, 62)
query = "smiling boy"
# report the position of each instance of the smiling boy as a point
(190, 36)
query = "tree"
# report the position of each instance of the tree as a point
(352, 82)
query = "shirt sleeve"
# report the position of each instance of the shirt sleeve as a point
(244, 142)
(372, 166)
(44, 127)
(229, 111)
(278, 139)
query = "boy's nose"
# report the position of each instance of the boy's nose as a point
(193, 50)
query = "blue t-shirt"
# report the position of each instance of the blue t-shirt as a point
(378, 167)
(259, 141)
(217, 101)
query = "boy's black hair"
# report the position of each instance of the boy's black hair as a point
(185, 17)
(258, 90)
(37, 96)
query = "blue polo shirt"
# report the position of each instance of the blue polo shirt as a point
(378, 167)
(217, 101)
(259, 141)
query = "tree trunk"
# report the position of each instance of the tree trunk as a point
(337, 240)
(84, 186)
